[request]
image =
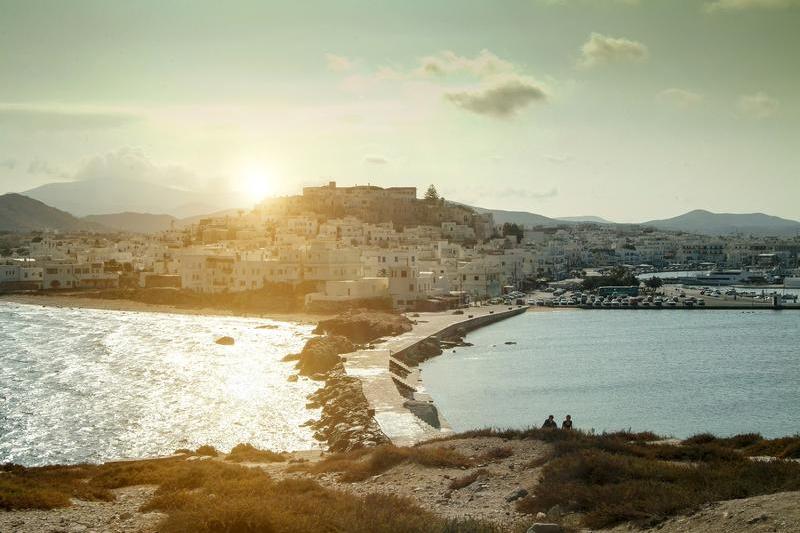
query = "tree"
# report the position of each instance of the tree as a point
(513, 229)
(431, 195)
(654, 283)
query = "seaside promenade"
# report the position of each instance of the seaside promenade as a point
(383, 376)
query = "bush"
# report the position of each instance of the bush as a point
(359, 465)
(247, 453)
(207, 450)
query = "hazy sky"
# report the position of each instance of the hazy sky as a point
(626, 109)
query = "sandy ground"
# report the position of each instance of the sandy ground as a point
(119, 516)
(78, 301)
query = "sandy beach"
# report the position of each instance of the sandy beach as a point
(83, 302)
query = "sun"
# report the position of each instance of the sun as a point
(257, 183)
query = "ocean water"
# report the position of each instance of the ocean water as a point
(92, 385)
(675, 373)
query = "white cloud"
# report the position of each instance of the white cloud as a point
(680, 98)
(602, 49)
(742, 5)
(559, 159)
(134, 165)
(501, 99)
(483, 65)
(376, 160)
(40, 167)
(338, 63)
(529, 194)
(757, 105)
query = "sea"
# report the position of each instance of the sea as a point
(675, 373)
(84, 385)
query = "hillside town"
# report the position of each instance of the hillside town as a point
(354, 244)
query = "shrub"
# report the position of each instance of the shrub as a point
(496, 454)
(207, 450)
(247, 453)
(367, 462)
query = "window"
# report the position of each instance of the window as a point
(403, 274)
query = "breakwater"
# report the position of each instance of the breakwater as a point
(393, 389)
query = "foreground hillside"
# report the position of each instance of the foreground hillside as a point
(483, 481)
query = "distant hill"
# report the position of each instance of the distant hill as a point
(19, 213)
(519, 217)
(589, 218)
(708, 223)
(110, 196)
(134, 222)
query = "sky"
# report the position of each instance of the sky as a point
(630, 110)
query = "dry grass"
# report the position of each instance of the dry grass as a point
(364, 463)
(47, 487)
(496, 454)
(612, 478)
(247, 453)
(213, 496)
(753, 444)
(206, 450)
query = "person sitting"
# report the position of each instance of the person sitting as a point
(567, 423)
(550, 423)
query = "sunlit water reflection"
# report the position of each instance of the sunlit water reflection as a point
(91, 385)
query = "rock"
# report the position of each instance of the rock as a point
(364, 325)
(555, 512)
(540, 516)
(292, 378)
(511, 342)
(542, 527)
(516, 495)
(321, 354)
(425, 411)
(268, 326)
(225, 341)
(756, 519)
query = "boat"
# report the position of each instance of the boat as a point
(791, 282)
(721, 277)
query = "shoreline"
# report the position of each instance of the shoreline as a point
(78, 301)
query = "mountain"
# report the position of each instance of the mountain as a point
(708, 223)
(106, 196)
(134, 222)
(589, 219)
(518, 217)
(19, 213)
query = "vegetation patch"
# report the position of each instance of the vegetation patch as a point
(361, 464)
(247, 453)
(212, 496)
(465, 481)
(623, 476)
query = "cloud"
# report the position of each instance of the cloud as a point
(525, 193)
(35, 117)
(743, 5)
(134, 165)
(559, 159)
(483, 65)
(680, 98)
(501, 99)
(376, 160)
(601, 50)
(758, 105)
(8, 164)
(339, 63)
(40, 167)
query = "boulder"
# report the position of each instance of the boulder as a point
(516, 495)
(363, 325)
(541, 527)
(292, 378)
(225, 341)
(321, 354)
